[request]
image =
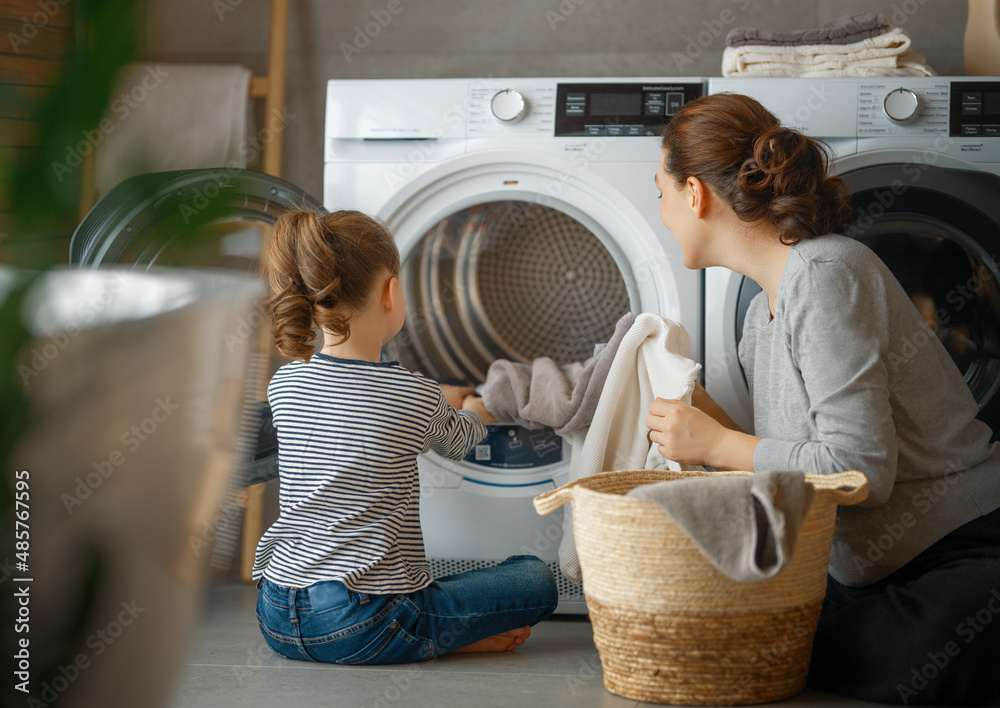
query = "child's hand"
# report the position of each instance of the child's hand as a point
(475, 404)
(454, 395)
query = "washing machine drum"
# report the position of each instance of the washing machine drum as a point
(506, 280)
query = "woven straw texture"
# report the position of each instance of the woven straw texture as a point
(669, 627)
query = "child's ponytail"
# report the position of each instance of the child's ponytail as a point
(321, 269)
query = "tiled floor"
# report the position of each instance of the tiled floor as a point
(229, 665)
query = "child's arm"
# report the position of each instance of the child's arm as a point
(453, 433)
(476, 405)
(454, 395)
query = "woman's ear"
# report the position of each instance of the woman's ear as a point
(697, 194)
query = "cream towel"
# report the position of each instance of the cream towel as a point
(887, 54)
(166, 117)
(651, 363)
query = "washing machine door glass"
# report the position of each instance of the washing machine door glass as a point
(950, 278)
(506, 280)
(953, 283)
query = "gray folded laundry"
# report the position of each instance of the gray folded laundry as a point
(544, 393)
(846, 29)
(746, 526)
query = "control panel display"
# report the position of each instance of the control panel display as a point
(619, 109)
(975, 109)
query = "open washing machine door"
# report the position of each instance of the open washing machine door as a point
(210, 217)
(193, 218)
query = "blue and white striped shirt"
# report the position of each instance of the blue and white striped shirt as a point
(349, 433)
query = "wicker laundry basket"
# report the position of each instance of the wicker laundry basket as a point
(669, 627)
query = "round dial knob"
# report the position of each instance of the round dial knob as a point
(901, 106)
(508, 106)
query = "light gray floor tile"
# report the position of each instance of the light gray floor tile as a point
(229, 665)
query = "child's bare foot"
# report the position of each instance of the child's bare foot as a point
(500, 642)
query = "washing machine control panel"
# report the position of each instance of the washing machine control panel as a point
(893, 107)
(975, 109)
(640, 109)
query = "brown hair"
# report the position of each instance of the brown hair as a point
(320, 269)
(763, 171)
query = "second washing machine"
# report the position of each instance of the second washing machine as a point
(922, 159)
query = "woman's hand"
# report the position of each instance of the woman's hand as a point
(682, 432)
(454, 395)
(690, 436)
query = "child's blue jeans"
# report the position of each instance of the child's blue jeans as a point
(327, 622)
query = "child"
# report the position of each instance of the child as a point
(342, 573)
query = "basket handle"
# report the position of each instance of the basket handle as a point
(550, 501)
(847, 488)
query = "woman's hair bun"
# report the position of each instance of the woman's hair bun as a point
(764, 171)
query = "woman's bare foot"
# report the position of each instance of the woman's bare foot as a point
(499, 642)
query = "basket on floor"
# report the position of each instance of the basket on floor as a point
(671, 628)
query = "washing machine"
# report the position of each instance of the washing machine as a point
(922, 159)
(527, 223)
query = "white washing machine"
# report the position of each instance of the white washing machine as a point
(922, 159)
(528, 224)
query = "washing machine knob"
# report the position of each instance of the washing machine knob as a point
(508, 106)
(901, 106)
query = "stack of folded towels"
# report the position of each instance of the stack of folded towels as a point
(853, 45)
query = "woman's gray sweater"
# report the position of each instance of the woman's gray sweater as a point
(848, 375)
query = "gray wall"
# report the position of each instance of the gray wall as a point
(455, 38)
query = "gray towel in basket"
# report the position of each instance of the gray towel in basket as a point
(746, 526)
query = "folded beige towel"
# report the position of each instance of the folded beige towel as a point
(166, 117)
(887, 54)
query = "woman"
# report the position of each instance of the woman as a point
(912, 611)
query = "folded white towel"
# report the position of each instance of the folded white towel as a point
(887, 54)
(651, 363)
(166, 117)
